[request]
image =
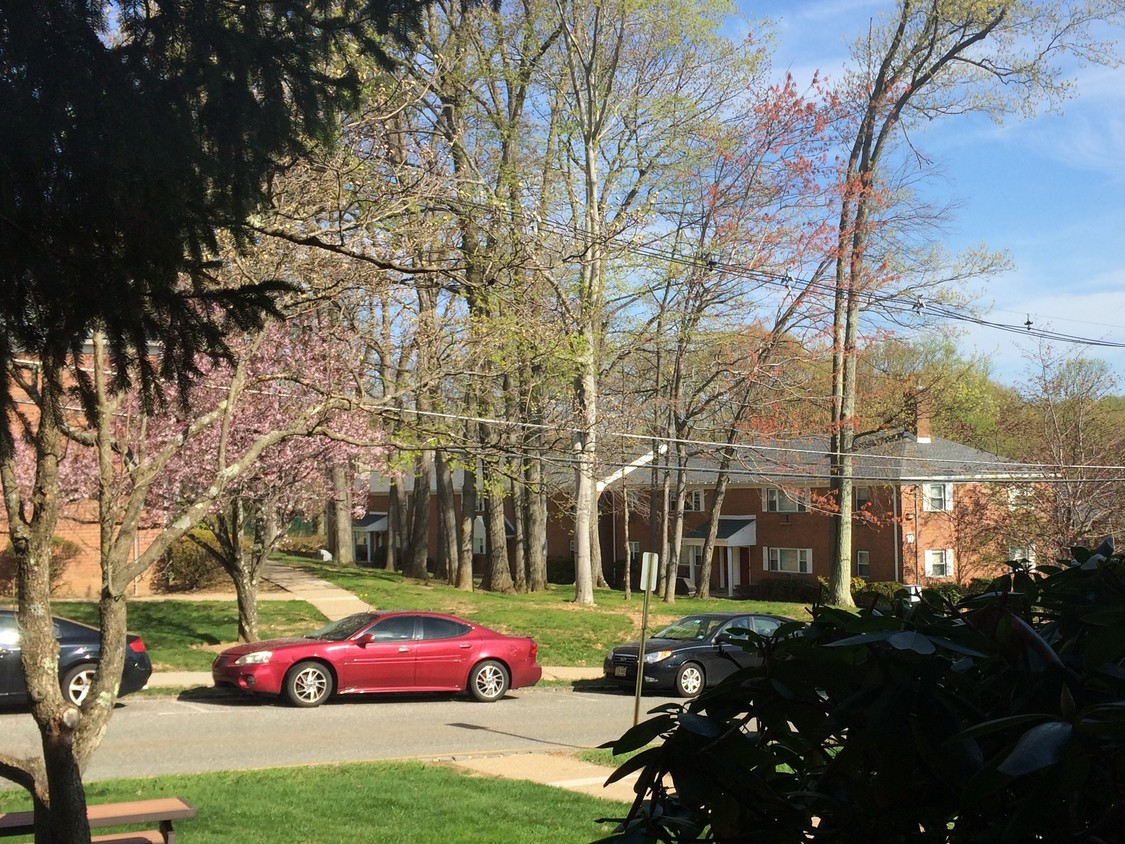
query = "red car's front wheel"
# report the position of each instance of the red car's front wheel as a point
(308, 684)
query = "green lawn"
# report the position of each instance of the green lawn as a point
(567, 633)
(388, 802)
(183, 634)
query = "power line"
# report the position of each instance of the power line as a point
(916, 306)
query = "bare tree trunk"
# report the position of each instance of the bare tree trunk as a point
(535, 505)
(344, 545)
(499, 574)
(464, 578)
(394, 526)
(677, 539)
(703, 587)
(519, 514)
(447, 519)
(418, 551)
(628, 573)
(597, 569)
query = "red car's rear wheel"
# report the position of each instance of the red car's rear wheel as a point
(489, 681)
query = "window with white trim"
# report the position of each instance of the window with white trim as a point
(1021, 498)
(939, 563)
(863, 564)
(937, 498)
(1022, 552)
(781, 501)
(634, 552)
(791, 560)
(693, 501)
(691, 559)
(862, 497)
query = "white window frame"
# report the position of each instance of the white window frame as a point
(863, 560)
(937, 498)
(694, 501)
(1022, 552)
(691, 560)
(1020, 498)
(634, 552)
(939, 557)
(772, 560)
(775, 500)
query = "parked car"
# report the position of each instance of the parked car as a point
(692, 653)
(383, 652)
(80, 647)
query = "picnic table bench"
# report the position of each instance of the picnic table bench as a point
(162, 811)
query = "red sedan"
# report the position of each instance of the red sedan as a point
(383, 652)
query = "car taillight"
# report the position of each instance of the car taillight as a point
(137, 646)
(534, 649)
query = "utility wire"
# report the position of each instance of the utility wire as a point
(916, 305)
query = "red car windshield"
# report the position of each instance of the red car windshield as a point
(340, 630)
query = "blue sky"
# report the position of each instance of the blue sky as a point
(1049, 190)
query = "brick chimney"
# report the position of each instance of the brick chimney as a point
(919, 402)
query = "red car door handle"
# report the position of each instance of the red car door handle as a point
(465, 645)
(404, 650)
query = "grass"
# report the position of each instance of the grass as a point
(389, 802)
(183, 634)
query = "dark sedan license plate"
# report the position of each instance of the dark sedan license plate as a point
(619, 671)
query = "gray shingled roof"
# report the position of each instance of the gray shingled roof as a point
(886, 457)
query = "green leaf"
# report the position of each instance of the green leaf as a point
(998, 724)
(1038, 748)
(635, 763)
(641, 735)
(864, 639)
(700, 725)
(908, 640)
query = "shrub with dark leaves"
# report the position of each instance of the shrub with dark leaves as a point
(998, 719)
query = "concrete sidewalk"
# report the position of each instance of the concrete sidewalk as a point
(558, 770)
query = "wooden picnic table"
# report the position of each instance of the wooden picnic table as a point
(161, 811)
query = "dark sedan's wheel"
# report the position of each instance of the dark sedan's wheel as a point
(76, 683)
(689, 679)
(308, 684)
(488, 681)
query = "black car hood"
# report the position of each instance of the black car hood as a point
(657, 645)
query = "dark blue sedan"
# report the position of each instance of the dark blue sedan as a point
(79, 650)
(690, 654)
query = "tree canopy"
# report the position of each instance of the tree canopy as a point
(133, 134)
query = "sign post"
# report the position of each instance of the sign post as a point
(650, 565)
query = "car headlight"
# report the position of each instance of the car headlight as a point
(255, 658)
(656, 656)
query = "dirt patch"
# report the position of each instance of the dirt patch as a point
(213, 649)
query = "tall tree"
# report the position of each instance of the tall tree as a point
(1070, 404)
(923, 61)
(134, 134)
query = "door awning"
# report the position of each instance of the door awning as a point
(734, 531)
